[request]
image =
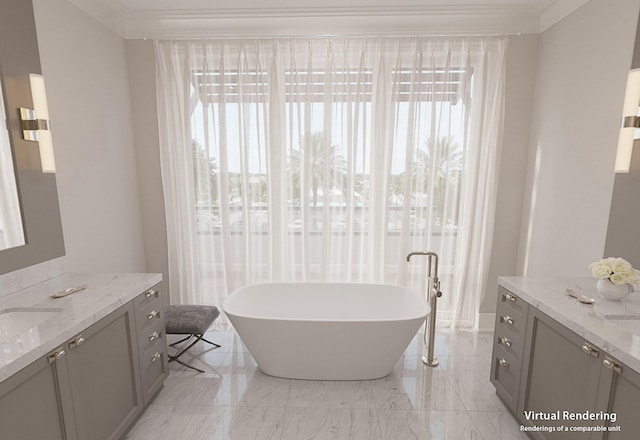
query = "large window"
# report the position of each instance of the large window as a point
(330, 159)
(340, 170)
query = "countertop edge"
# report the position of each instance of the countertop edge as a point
(116, 290)
(584, 321)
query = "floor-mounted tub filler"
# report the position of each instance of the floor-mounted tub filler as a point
(326, 331)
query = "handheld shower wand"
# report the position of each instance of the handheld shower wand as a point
(434, 294)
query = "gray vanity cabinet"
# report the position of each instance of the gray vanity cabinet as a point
(36, 404)
(88, 388)
(95, 385)
(549, 368)
(619, 393)
(105, 380)
(563, 373)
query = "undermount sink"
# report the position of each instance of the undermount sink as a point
(17, 320)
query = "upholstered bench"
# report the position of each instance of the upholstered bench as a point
(190, 320)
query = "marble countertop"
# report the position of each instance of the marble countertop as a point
(104, 294)
(613, 326)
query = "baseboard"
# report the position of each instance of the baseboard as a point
(487, 322)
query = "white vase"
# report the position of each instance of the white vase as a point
(612, 292)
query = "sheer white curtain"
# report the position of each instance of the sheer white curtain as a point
(330, 159)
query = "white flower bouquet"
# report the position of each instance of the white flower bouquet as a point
(617, 270)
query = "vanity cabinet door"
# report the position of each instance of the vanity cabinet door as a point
(104, 374)
(563, 373)
(35, 405)
(619, 394)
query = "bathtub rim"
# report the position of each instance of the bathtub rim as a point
(411, 317)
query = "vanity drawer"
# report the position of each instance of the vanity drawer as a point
(149, 314)
(150, 296)
(510, 301)
(150, 334)
(154, 368)
(511, 345)
(505, 376)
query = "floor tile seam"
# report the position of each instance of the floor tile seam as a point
(368, 408)
(423, 410)
(454, 387)
(475, 425)
(377, 411)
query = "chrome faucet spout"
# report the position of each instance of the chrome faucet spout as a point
(430, 255)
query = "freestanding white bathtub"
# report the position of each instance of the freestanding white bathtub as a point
(326, 331)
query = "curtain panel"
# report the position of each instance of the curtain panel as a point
(329, 159)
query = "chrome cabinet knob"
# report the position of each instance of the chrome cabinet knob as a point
(155, 357)
(151, 292)
(504, 363)
(612, 365)
(590, 350)
(76, 342)
(508, 319)
(510, 297)
(153, 314)
(55, 355)
(153, 336)
(504, 341)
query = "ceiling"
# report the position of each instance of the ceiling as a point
(229, 18)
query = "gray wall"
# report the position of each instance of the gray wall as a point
(623, 233)
(522, 58)
(142, 82)
(85, 67)
(581, 74)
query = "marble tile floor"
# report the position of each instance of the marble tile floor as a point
(233, 399)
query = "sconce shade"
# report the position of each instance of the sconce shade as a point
(630, 122)
(625, 149)
(632, 94)
(35, 123)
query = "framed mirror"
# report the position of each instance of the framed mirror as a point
(36, 191)
(11, 227)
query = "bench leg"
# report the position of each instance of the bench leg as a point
(191, 340)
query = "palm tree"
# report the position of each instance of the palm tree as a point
(318, 160)
(449, 164)
(205, 172)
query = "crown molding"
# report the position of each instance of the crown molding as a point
(323, 21)
(379, 20)
(557, 11)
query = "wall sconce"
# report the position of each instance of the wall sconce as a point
(35, 123)
(630, 123)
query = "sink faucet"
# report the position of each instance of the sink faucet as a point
(434, 294)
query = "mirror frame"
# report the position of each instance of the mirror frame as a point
(37, 191)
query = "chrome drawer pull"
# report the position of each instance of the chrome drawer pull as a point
(55, 355)
(150, 293)
(504, 363)
(153, 336)
(508, 319)
(505, 341)
(76, 342)
(155, 357)
(510, 297)
(153, 314)
(590, 350)
(609, 363)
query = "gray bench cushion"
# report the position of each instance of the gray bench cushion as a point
(189, 319)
